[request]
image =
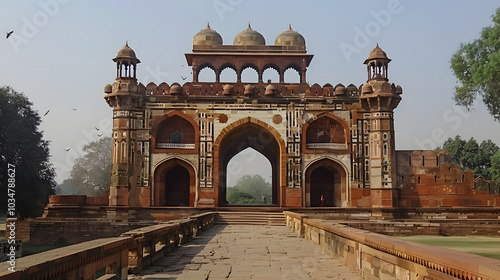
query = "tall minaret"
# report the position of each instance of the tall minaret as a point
(380, 98)
(125, 97)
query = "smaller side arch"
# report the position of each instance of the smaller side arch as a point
(160, 191)
(340, 182)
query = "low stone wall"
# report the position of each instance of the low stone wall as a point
(66, 231)
(131, 252)
(378, 256)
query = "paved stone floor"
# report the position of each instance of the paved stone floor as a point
(247, 252)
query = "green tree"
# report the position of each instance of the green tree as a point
(469, 154)
(22, 145)
(91, 173)
(254, 186)
(234, 196)
(495, 167)
(477, 67)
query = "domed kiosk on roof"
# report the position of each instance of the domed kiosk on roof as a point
(207, 37)
(249, 37)
(126, 53)
(377, 53)
(290, 37)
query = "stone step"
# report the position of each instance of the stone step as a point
(249, 218)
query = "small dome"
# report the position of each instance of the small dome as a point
(126, 53)
(227, 89)
(340, 90)
(207, 37)
(175, 89)
(108, 88)
(248, 89)
(290, 38)
(366, 88)
(270, 90)
(249, 37)
(377, 53)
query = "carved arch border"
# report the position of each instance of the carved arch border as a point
(161, 168)
(345, 196)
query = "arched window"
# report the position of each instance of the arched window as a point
(175, 133)
(325, 132)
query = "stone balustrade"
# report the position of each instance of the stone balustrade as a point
(378, 256)
(115, 256)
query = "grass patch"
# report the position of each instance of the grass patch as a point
(479, 245)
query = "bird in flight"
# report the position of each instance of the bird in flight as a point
(8, 34)
(99, 135)
(183, 78)
(182, 65)
(46, 113)
(74, 109)
(96, 128)
(67, 150)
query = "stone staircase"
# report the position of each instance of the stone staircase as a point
(250, 218)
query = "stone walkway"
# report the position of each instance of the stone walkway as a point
(247, 252)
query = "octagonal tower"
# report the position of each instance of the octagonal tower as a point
(379, 98)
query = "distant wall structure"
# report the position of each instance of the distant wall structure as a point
(430, 179)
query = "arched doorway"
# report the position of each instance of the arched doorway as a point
(325, 178)
(243, 134)
(174, 184)
(177, 187)
(322, 185)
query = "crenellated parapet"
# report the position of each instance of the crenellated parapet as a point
(253, 90)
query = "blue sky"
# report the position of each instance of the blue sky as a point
(60, 56)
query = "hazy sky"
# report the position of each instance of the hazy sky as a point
(60, 55)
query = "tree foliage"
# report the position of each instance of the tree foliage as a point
(91, 173)
(22, 145)
(495, 167)
(469, 154)
(477, 67)
(250, 190)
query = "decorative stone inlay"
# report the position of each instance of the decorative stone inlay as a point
(326, 146)
(277, 119)
(223, 118)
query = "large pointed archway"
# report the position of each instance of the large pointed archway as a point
(174, 184)
(255, 134)
(326, 177)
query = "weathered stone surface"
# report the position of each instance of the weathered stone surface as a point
(248, 252)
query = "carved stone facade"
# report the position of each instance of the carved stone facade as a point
(172, 143)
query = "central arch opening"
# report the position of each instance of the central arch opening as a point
(249, 179)
(251, 140)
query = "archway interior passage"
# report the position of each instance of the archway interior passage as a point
(177, 186)
(253, 136)
(249, 176)
(322, 185)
